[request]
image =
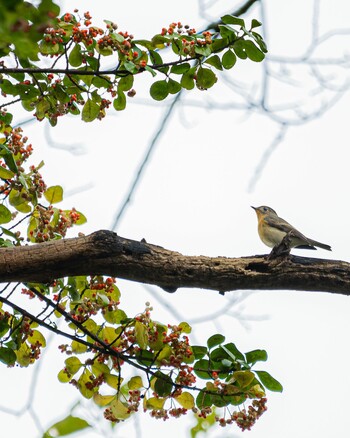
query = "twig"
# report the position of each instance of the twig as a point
(145, 161)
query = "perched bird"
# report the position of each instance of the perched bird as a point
(272, 230)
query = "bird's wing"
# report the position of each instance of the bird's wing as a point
(285, 227)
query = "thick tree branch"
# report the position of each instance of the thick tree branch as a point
(104, 252)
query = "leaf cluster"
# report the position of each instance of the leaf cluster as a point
(77, 83)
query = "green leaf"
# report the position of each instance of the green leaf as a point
(219, 44)
(173, 86)
(253, 53)
(144, 43)
(75, 57)
(255, 23)
(203, 400)
(159, 90)
(155, 58)
(7, 356)
(255, 356)
(214, 61)
(215, 340)
(66, 427)
(101, 81)
(269, 382)
(5, 215)
(159, 41)
(120, 102)
(54, 194)
(104, 51)
(187, 80)
(202, 369)
(131, 67)
(259, 41)
(163, 384)
(5, 173)
(204, 50)
(239, 48)
(180, 69)
(227, 33)
(41, 108)
(206, 78)
(4, 327)
(199, 352)
(6, 154)
(231, 19)
(233, 351)
(126, 83)
(228, 59)
(90, 111)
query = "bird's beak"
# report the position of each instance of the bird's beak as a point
(254, 207)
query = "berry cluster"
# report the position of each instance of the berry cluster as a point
(245, 419)
(177, 28)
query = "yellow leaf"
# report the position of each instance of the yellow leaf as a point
(257, 391)
(120, 411)
(155, 403)
(84, 382)
(113, 381)
(63, 377)
(99, 368)
(166, 352)
(37, 337)
(73, 365)
(54, 194)
(109, 335)
(23, 355)
(135, 382)
(185, 327)
(141, 334)
(244, 378)
(186, 400)
(78, 348)
(103, 400)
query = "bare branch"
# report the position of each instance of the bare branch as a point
(145, 160)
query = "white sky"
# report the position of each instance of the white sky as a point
(194, 199)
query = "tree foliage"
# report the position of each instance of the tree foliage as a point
(55, 65)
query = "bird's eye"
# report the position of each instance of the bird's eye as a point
(265, 209)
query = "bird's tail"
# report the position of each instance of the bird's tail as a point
(320, 245)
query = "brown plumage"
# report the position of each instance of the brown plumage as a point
(272, 229)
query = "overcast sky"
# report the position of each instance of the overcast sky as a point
(195, 197)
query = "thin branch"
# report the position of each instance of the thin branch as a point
(142, 166)
(238, 12)
(266, 156)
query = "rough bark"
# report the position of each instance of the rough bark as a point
(104, 252)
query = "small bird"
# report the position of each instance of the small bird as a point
(272, 230)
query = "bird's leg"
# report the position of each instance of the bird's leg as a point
(283, 248)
